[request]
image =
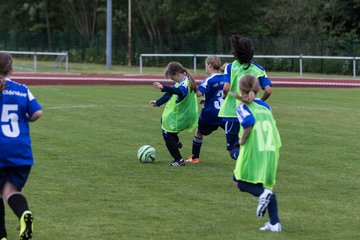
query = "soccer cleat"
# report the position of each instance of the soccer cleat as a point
(264, 200)
(4, 238)
(26, 225)
(178, 163)
(193, 160)
(272, 228)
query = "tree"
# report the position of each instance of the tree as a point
(84, 13)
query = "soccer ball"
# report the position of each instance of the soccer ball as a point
(146, 154)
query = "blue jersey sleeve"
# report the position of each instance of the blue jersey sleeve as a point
(33, 104)
(163, 99)
(204, 86)
(181, 91)
(246, 118)
(227, 73)
(264, 81)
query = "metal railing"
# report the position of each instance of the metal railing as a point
(300, 57)
(35, 54)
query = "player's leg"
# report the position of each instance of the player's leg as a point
(274, 224)
(259, 191)
(203, 129)
(3, 233)
(254, 189)
(179, 143)
(232, 138)
(171, 144)
(196, 146)
(267, 200)
(16, 180)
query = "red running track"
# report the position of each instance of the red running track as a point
(86, 79)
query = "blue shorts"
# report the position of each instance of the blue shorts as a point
(232, 135)
(205, 128)
(15, 175)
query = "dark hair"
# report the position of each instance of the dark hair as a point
(5, 68)
(214, 61)
(172, 68)
(243, 49)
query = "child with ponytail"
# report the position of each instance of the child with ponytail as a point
(18, 107)
(243, 51)
(181, 110)
(212, 89)
(256, 165)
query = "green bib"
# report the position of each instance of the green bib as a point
(258, 158)
(182, 115)
(228, 108)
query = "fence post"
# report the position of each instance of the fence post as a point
(354, 67)
(35, 62)
(141, 63)
(67, 62)
(301, 67)
(194, 64)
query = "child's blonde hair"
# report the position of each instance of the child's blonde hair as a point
(172, 68)
(249, 87)
(214, 61)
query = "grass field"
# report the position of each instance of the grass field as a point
(87, 183)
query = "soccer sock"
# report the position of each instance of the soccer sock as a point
(197, 142)
(171, 144)
(273, 210)
(18, 204)
(253, 189)
(2, 219)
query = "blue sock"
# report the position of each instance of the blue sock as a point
(197, 142)
(273, 210)
(17, 202)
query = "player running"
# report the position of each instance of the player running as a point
(256, 165)
(18, 107)
(209, 121)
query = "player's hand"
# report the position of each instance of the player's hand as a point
(242, 141)
(202, 101)
(158, 85)
(153, 103)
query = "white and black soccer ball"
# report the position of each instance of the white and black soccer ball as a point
(146, 154)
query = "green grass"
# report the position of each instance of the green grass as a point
(87, 183)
